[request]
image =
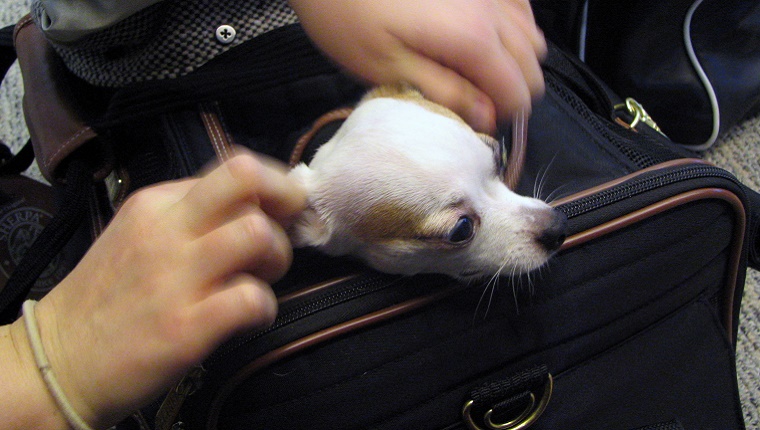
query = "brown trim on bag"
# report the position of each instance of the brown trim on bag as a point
(313, 289)
(618, 181)
(732, 272)
(220, 138)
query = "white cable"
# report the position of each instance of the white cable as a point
(702, 77)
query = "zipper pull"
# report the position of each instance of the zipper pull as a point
(169, 410)
(635, 109)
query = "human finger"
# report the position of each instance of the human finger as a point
(525, 18)
(518, 47)
(245, 302)
(242, 180)
(252, 242)
(473, 51)
(447, 88)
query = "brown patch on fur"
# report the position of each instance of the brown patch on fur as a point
(388, 220)
(402, 91)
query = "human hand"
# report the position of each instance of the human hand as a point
(182, 266)
(480, 58)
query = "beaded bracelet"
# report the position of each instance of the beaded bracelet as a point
(33, 333)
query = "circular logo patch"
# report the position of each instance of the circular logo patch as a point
(18, 230)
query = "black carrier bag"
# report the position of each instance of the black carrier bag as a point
(631, 326)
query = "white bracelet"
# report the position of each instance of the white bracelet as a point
(33, 333)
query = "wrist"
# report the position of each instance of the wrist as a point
(27, 403)
(55, 367)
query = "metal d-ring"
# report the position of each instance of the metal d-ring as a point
(487, 418)
(526, 418)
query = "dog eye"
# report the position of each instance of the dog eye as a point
(462, 231)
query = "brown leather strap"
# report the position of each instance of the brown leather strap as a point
(218, 135)
(303, 141)
(55, 128)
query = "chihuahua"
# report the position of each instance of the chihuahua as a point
(408, 187)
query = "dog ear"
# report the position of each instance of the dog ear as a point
(309, 229)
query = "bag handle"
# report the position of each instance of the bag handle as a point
(56, 128)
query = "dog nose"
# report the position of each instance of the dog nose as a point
(554, 235)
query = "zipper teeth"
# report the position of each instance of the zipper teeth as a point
(366, 285)
(619, 192)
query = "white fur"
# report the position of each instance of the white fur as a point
(398, 156)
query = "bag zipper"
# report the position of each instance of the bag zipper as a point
(614, 194)
(341, 292)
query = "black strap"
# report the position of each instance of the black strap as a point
(508, 394)
(14, 164)
(10, 164)
(56, 234)
(7, 51)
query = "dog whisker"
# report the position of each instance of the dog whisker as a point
(480, 301)
(538, 186)
(494, 284)
(554, 194)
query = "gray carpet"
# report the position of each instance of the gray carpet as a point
(738, 151)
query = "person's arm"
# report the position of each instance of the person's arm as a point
(478, 57)
(182, 267)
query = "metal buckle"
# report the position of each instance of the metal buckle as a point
(635, 109)
(525, 419)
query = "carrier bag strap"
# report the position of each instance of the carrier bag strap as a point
(7, 53)
(10, 164)
(55, 123)
(56, 134)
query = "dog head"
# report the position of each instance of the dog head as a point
(409, 187)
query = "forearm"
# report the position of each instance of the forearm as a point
(25, 400)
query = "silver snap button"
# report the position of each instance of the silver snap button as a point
(225, 34)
